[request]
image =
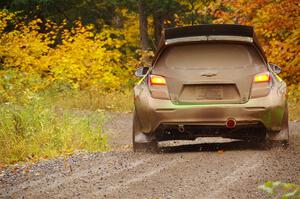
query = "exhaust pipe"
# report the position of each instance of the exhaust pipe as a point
(181, 128)
(230, 123)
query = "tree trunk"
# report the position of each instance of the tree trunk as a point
(158, 27)
(143, 25)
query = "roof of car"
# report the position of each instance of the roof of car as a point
(205, 32)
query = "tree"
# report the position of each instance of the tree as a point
(163, 14)
(97, 12)
(197, 11)
(143, 25)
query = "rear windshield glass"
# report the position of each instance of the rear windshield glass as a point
(211, 56)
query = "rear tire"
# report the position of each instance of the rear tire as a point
(261, 143)
(145, 147)
(278, 143)
(151, 147)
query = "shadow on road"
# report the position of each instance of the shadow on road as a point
(228, 146)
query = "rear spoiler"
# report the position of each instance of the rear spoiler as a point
(209, 32)
(209, 38)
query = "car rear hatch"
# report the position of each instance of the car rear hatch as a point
(210, 72)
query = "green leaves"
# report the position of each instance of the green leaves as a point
(285, 190)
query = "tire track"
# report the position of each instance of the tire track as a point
(233, 179)
(106, 182)
(150, 172)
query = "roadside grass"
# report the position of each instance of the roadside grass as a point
(116, 101)
(39, 129)
(57, 121)
(294, 102)
(294, 110)
(294, 115)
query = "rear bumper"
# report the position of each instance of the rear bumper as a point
(267, 111)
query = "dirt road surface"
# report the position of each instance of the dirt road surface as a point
(207, 169)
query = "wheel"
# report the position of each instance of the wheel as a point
(150, 146)
(260, 142)
(277, 144)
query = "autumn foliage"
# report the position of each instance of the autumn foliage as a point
(38, 53)
(277, 24)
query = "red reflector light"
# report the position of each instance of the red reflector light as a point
(157, 80)
(263, 77)
(230, 123)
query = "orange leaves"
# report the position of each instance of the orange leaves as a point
(283, 44)
(277, 24)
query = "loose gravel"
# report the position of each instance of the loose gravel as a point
(204, 169)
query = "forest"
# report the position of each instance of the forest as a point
(57, 56)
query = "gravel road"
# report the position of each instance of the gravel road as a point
(213, 169)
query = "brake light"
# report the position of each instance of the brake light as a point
(262, 77)
(262, 85)
(157, 80)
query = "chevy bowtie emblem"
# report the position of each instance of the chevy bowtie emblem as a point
(208, 74)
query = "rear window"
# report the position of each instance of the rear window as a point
(211, 56)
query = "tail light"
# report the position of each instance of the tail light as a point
(157, 80)
(158, 87)
(262, 77)
(262, 84)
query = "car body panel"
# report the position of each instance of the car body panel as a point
(152, 112)
(209, 74)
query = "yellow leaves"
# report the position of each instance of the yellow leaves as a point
(87, 61)
(83, 58)
(5, 17)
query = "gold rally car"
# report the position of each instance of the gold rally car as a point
(209, 81)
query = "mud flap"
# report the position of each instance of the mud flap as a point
(283, 134)
(137, 135)
(142, 142)
(144, 138)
